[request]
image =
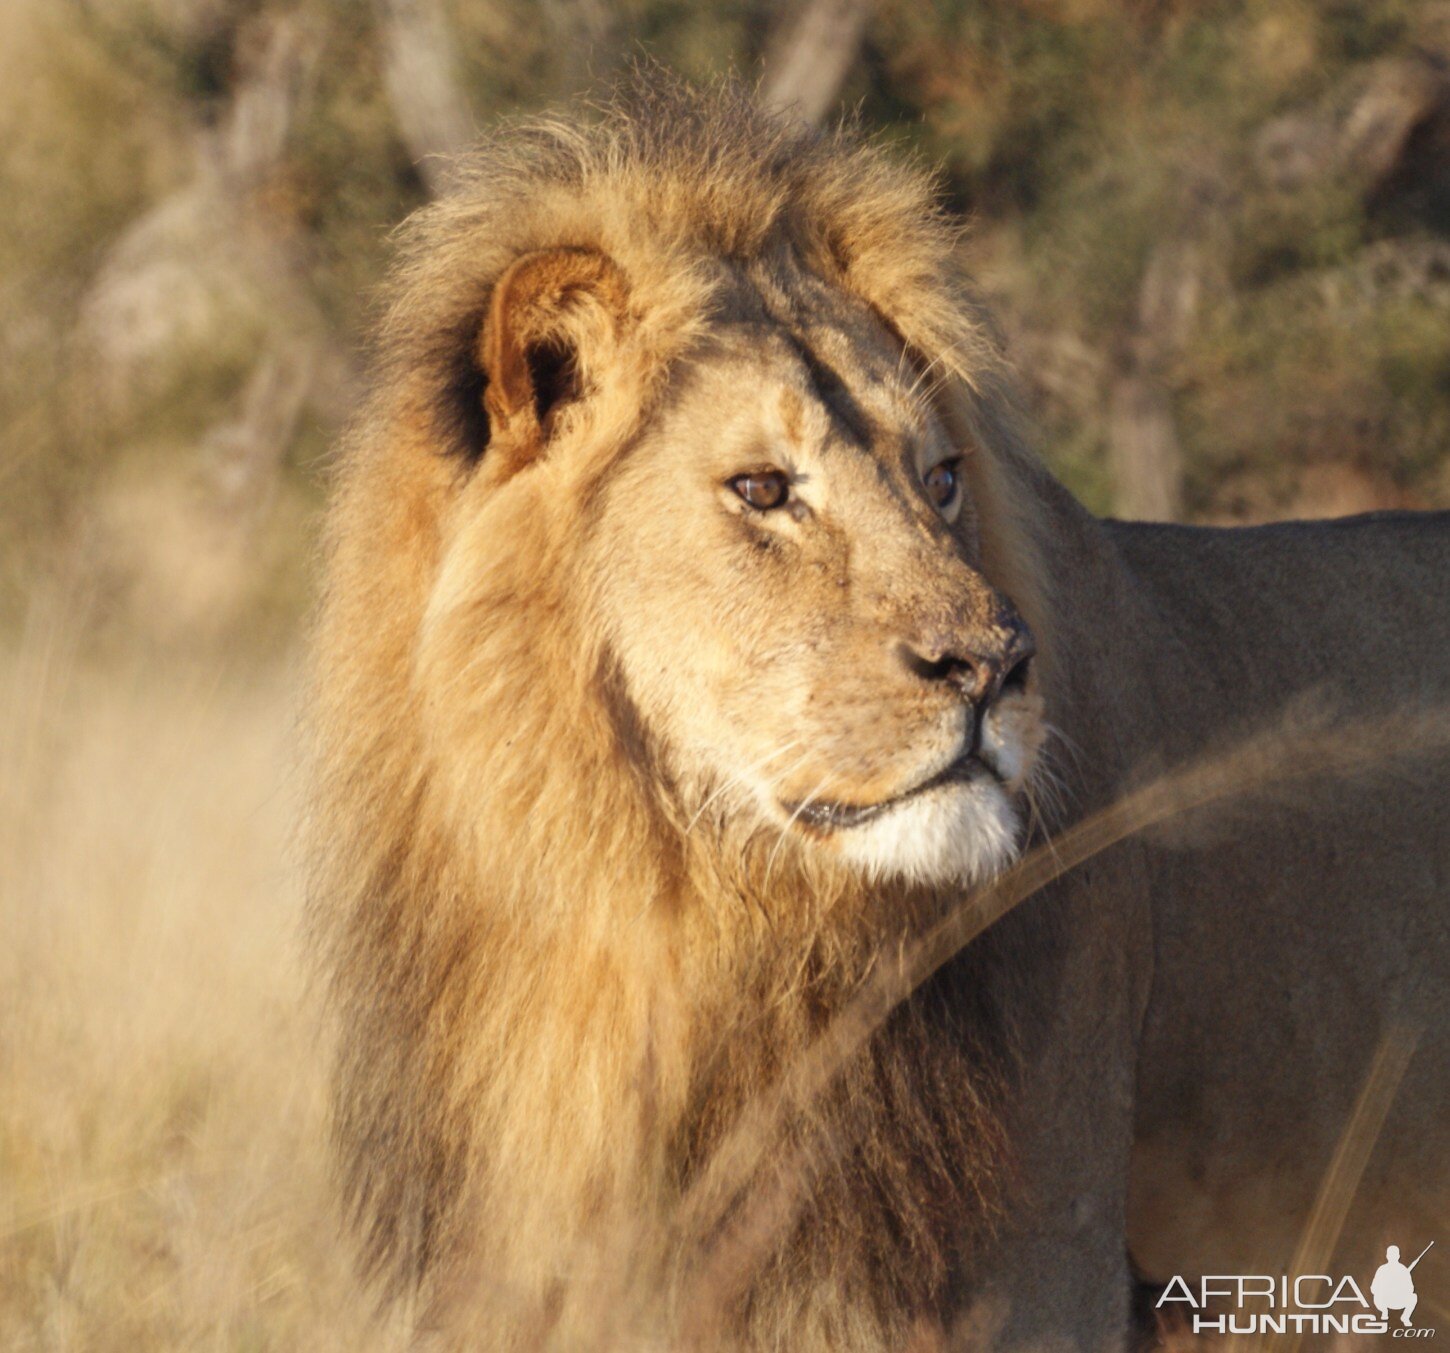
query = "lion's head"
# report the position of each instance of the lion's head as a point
(675, 561)
(786, 567)
(698, 404)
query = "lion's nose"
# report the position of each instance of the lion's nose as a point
(981, 669)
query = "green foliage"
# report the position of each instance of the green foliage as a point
(1081, 135)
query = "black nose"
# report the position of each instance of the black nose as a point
(981, 669)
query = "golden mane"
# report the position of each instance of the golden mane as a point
(552, 996)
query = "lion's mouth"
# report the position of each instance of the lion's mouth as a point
(825, 816)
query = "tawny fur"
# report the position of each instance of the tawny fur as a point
(569, 920)
(552, 996)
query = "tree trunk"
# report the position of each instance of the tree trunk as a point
(1144, 454)
(811, 54)
(428, 102)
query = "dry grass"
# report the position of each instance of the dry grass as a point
(163, 1176)
(162, 1171)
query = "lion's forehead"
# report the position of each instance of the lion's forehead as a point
(815, 387)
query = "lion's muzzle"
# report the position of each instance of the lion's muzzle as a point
(978, 665)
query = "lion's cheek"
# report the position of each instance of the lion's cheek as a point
(1013, 733)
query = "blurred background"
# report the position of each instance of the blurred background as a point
(1217, 234)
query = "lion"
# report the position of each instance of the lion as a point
(697, 627)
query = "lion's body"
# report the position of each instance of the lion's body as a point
(569, 933)
(1300, 939)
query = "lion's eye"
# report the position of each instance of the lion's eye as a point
(943, 482)
(762, 489)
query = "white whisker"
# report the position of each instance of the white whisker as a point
(739, 777)
(1069, 745)
(790, 822)
(926, 371)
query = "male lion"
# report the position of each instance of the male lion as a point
(691, 624)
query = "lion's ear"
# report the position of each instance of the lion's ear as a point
(552, 317)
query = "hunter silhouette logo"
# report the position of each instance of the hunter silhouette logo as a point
(1308, 1303)
(1393, 1289)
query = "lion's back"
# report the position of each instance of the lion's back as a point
(1356, 608)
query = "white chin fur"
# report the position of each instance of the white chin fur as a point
(959, 833)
